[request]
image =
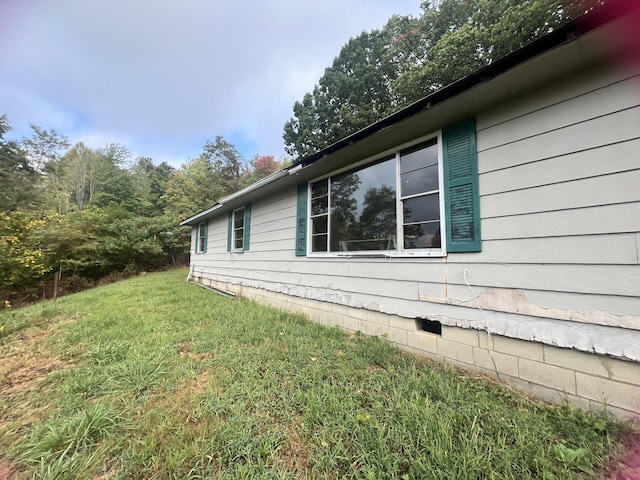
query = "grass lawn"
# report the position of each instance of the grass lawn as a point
(156, 378)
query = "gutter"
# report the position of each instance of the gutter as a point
(234, 196)
(566, 33)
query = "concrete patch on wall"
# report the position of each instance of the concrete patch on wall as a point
(547, 371)
(516, 301)
(512, 322)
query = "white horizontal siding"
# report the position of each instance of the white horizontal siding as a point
(609, 189)
(585, 83)
(576, 109)
(621, 156)
(623, 218)
(618, 280)
(560, 206)
(604, 130)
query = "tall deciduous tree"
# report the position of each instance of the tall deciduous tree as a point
(379, 72)
(354, 92)
(44, 146)
(225, 162)
(219, 171)
(17, 176)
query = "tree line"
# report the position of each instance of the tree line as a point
(71, 215)
(381, 71)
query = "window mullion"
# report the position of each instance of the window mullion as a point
(441, 186)
(328, 215)
(399, 211)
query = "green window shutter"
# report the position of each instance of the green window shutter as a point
(462, 201)
(301, 222)
(206, 237)
(229, 229)
(197, 235)
(247, 226)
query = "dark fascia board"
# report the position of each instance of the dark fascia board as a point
(288, 177)
(567, 33)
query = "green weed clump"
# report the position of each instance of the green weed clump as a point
(157, 378)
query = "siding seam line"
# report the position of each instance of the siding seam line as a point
(528, 137)
(604, 145)
(561, 101)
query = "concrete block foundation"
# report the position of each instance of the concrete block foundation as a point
(550, 373)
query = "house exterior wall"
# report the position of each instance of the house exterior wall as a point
(557, 284)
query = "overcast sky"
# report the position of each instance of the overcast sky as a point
(162, 77)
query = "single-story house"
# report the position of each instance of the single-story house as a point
(493, 225)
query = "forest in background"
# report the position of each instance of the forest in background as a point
(71, 215)
(384, 70)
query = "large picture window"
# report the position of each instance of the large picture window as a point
(392, 204)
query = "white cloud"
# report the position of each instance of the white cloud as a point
(165, 75)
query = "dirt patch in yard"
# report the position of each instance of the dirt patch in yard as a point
(24, 365)
(627, 467)
(296, 452)
(22, 374)
(7, 470)
(24, 362)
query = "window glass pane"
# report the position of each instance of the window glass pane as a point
(320, 205)
(319, 243)
(320, 224)
(420, 181)
(420, 156)
(201, 236)
(363, 208)
(357, 210)
(238, 218)
(421, 209)
(238, 243)
(422, 235)
(320, 188)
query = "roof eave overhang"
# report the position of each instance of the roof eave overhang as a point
(565, 34)
(232, 200)
(566, 49)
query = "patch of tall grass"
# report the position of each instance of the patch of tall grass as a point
(164, 379)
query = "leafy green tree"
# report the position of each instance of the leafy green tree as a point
(151, 185)
(132, 244)
(219, 171)
(158, 180)
(381, 71)
(22, 262)
(114, 184)
(225, 163)
(192, 188)
(75, 173)
(354, 92)
(70, 243)
(18, 178)
(43, 146)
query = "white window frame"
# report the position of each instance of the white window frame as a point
(399, 252)
(201, 239)
(233, 230)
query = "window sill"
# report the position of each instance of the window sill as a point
(421, 254)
